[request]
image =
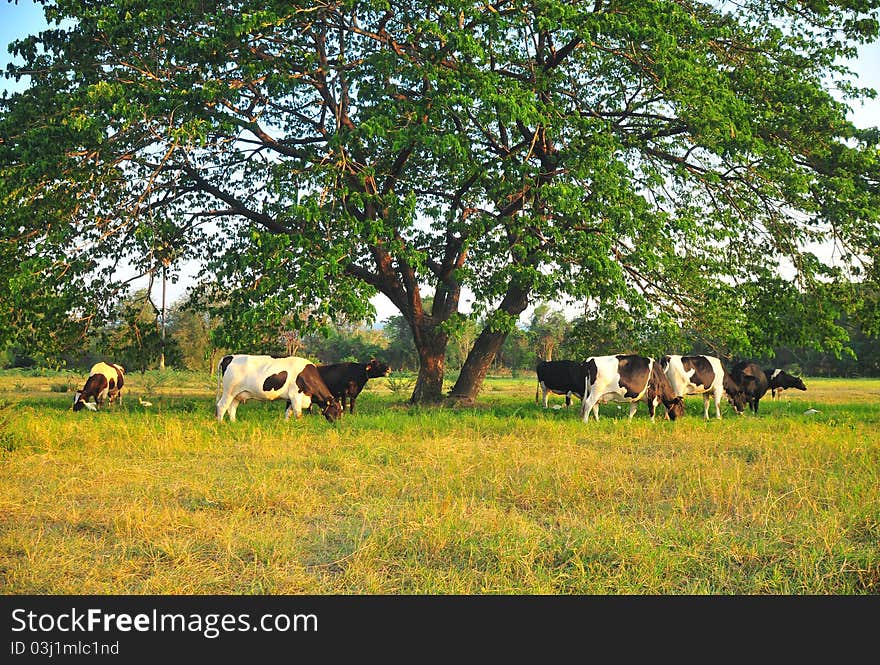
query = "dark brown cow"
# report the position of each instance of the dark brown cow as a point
(347, 380)
(745, 383)
(104, 383)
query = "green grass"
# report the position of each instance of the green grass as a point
(501, 498)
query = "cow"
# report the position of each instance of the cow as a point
(104, 383)
(628, 378)
(264, 378)
(562, 377)
(779, 381)
(745, 383)
(347, 380)
(696, 375)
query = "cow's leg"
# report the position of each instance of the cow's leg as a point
(350, 403)
(652, 408)
(706, 406)
(568, 399)
(546, 392)
(289, 410)
(587, 406)
(232, 408)
(222, 407)
(296, 405)
(717, 405)
(633, 407)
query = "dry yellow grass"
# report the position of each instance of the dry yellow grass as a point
(503, 498)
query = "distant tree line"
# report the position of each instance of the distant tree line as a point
(133, 338)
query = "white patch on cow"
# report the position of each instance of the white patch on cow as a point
(776, 373)
(244, 377)
(682, 384)
(606, 387)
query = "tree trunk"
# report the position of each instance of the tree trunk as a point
(162, 351)
(473, 372)
(431, 345)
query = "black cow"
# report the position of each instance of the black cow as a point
(347, 380)
(628, 378)
(779, 381)
(745, 383)
(561, 377)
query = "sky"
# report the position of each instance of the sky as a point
(22, 17)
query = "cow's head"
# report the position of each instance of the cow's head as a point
(77, 404)
(331, 410)
(675, 408)
(737, 401)
(375, 369)
(797, 382)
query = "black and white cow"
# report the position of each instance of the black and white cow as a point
(561, 377)
(104, 383)
(348, 379)
(628, 378)
(696, 375)
(265, 378)
(779, 381)
(745, 383)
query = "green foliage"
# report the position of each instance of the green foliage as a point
(351, 344)
(648, 156)
(133, 338)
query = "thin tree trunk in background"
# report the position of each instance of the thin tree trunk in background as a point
(474, 370)
(162, 350)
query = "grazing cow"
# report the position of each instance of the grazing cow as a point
(562, 377)
(745, 383)
(348, 379)
(265, 378)
(105, 382)
(696, 375)
(779, 381)
(628, 378)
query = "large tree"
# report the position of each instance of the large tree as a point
(628, 152)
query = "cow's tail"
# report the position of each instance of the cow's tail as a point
(537, 390)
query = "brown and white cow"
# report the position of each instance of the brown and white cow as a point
(627, 378)
(265, 378)
(696, 375)
(104, 383)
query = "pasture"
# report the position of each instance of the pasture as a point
(503, 498)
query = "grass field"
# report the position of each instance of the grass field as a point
(504, 498)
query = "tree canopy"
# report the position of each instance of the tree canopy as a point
(665, 158)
